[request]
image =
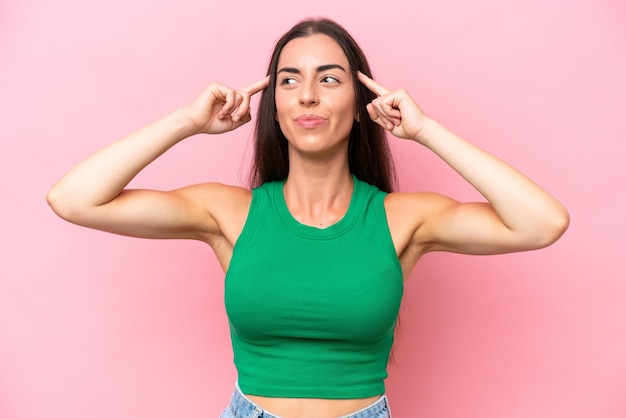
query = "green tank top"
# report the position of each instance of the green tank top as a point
(312, 311)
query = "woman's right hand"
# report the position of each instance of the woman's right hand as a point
(220, 109)
(94, 194)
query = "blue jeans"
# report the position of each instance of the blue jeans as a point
(242, 407)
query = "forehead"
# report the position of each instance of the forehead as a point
(312, 51)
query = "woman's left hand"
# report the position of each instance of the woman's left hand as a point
(396, 111)
(519, 215)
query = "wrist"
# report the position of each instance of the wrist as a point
(184, 122)
(427, 131)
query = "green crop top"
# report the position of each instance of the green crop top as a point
(312, 311)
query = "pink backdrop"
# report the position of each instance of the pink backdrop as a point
(96, 325)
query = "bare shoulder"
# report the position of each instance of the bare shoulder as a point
(217, 194)
(415, 207)
(407, 213)
(226, 205)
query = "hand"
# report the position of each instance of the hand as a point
(396, 111)
(220, 109)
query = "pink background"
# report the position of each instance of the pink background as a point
(96, 325)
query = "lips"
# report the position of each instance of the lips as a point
(310, 121)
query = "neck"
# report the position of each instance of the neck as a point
(318, 194)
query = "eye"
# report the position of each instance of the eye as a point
(330, 80)
(287, 81)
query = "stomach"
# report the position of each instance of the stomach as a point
(311, 408)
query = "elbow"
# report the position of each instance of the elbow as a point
(554, 227)
(52, 198)
(564, 222)
(60, 205)
(55, 201)
(542, 231)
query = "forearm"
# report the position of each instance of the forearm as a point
(521, 205)
(102, 176)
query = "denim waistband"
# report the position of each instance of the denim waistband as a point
(242, 407)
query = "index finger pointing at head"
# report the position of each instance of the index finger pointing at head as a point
(378, 89)
(260, 85)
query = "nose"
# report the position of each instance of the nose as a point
(308, 94)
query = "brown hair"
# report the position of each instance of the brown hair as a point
(369, 157)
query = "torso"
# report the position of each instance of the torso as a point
(311, 408)
(231, 219)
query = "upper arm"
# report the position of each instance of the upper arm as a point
(191, 212)
(467, 228)
(439, 223)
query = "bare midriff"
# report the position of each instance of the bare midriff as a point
(311, 408)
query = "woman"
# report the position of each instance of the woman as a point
(315, 255)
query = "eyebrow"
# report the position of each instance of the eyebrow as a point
(319, 69)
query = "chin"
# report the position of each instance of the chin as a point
(317, 147)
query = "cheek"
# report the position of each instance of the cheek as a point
(281, 113)
(342, 101)
(344, 115)
(281, 106)
(346, 107)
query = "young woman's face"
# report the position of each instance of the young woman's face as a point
(315, 101)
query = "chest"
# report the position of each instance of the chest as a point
(286, 286)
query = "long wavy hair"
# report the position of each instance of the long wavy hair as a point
(369, 157)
